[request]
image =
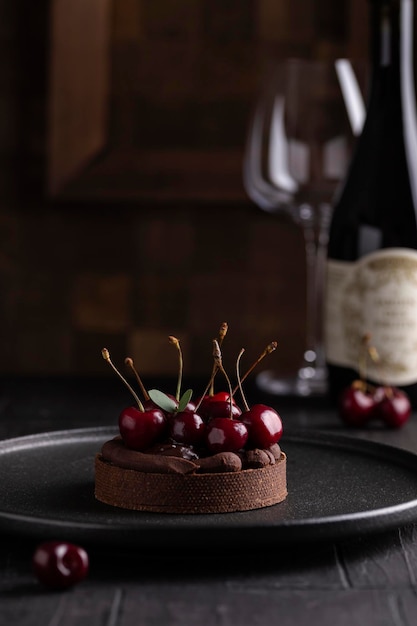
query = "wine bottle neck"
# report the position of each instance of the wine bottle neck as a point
(385, 36)
(391, 55)
(391, 52)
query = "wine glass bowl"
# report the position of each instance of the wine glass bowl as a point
(299, 142)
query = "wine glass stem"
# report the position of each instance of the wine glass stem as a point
(315, 233)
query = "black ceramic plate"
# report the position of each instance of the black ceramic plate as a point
(338, 486)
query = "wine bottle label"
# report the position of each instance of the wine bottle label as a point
(377, 295)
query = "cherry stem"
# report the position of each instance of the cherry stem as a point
(106, 356)
(364, 357)
(376, 360)
(239, 382)
(210, 382)
(218, 362)
(176, 343)
(222, 334)
(269, 348)
(369, 351)
(129, 363)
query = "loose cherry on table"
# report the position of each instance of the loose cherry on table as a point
(357, 404)
(393, 406)
(59, 564)
(360, 402)
(264, 426)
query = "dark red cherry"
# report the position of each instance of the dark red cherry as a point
(141, 429)
(224, 434)
(148, 405)
(393, 406)
(187, 427)
(356, 405)
(59, 565)
(219, 395)
(264, 426)
(206, 406)
(221, 408)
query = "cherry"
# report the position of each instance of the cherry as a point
(187, 427)
(141, 429)
(209, 403)
(59, 565)
(225, 434)
(221, 396)
(264, 426)
(393, 406)
(356, 404)
(223, 408)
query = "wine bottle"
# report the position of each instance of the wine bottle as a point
(371, 285)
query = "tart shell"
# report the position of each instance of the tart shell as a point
(224, 492)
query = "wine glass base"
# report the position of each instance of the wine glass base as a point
(304, 384)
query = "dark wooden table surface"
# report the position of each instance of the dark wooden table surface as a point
(360, 580)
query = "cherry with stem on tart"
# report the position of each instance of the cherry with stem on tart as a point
(225, 434)
(210, 408)
(220, 408)
(210, 405)
(183, 424)
(139, 428)
(204, 402)
(187, 427)
(59, 564)
(263, 423)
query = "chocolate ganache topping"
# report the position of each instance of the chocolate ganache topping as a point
(178, 459)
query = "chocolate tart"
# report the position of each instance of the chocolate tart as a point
(160, 483)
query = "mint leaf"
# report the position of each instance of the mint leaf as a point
(184, 400)
(162, 400)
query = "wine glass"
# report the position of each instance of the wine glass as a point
(298, 147)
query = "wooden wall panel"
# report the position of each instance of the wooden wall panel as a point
(79, 86)
(139, 129)
(168, 77)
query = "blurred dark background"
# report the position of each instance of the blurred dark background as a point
(122, 217)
